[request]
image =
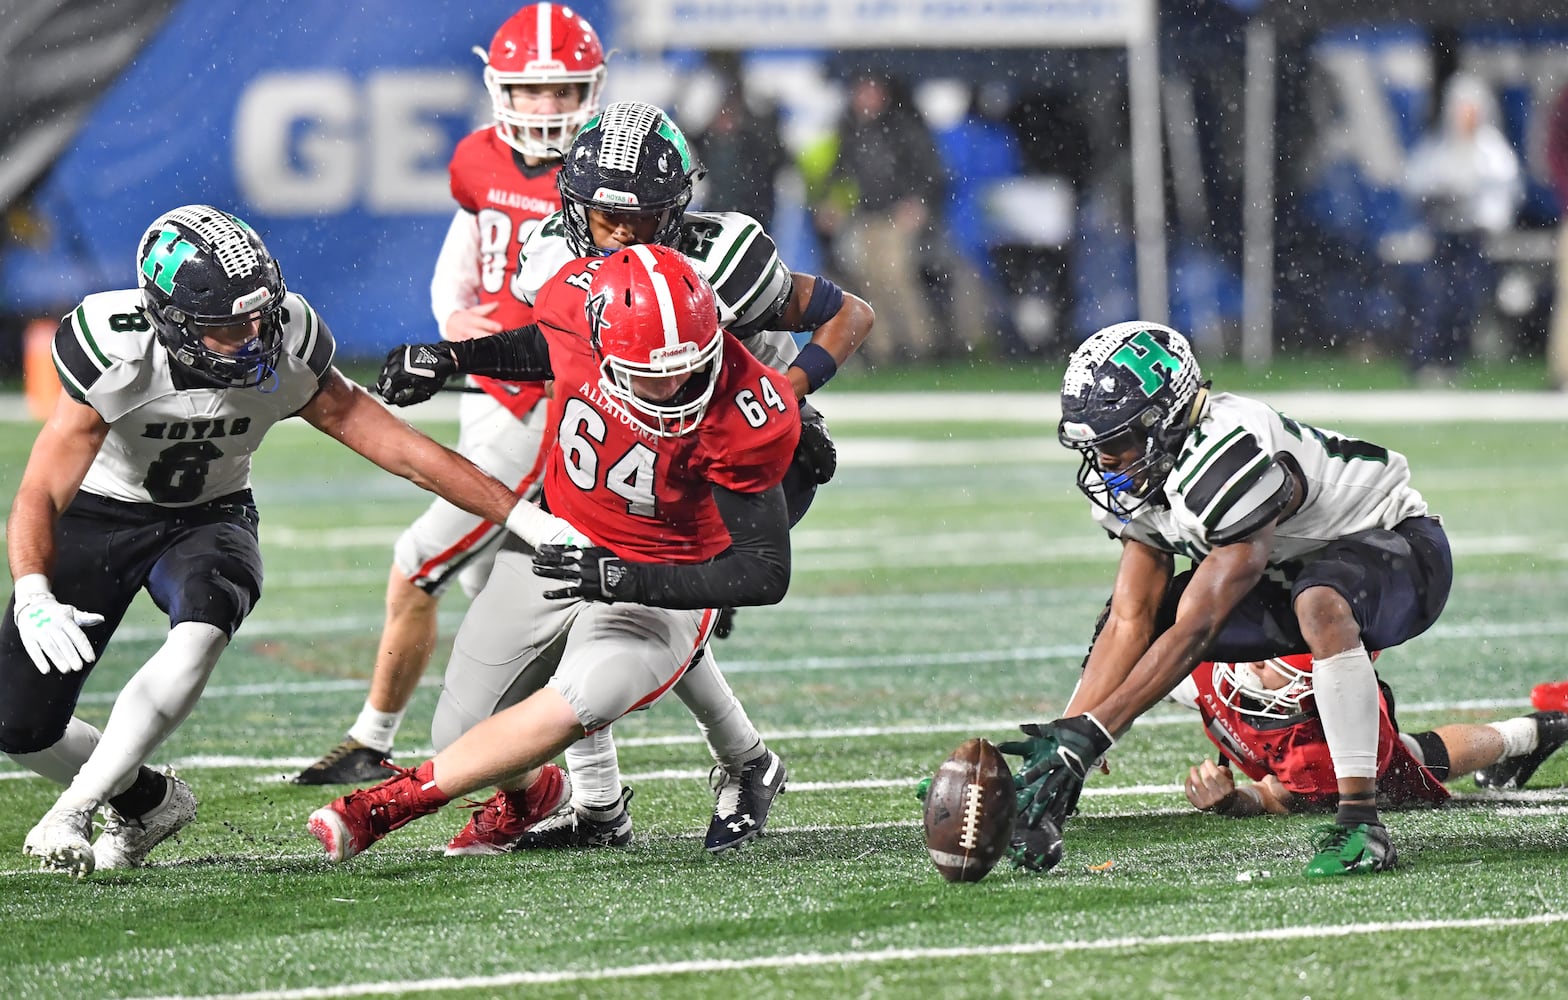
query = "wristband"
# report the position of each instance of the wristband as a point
(818, 365)
(533, 525)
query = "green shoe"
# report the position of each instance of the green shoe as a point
(1351, 850)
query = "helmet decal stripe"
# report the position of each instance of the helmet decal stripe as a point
(546, 49)
(661, 294)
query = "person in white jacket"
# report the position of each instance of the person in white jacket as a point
(1465, 181)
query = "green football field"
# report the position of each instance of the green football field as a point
(945, 585)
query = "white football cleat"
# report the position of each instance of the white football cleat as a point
(126, 841)
(60, 841)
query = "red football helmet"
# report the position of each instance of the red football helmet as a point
(543, 43)
(1277, 688)
(652, 316)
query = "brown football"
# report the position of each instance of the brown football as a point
(970, 808)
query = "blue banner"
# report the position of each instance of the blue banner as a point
(327, 126)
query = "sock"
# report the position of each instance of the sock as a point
(1345, 689)
(150, 707)
(60, 762)
(146, 793)
(376, 729)
(1354, 812)
(595, 771)
(732, 739)
(1520, 736)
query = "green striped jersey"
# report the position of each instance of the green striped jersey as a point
(168, 444)
(1230, 480)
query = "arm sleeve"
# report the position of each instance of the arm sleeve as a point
(455, 283)
(753, 570)
(519, 355)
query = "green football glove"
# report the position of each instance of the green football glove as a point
(1056, 760)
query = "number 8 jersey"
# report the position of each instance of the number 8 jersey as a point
(172, 442)
(644, 496)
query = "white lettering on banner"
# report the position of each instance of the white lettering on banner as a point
(313, 143)
(408, 151)
(883, 23)
(283, 172)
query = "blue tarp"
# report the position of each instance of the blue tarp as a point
(327, 126)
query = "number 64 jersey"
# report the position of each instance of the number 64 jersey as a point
(171, 442)
(1237, 470)
(645, 497)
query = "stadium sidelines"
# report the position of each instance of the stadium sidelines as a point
(1399, 406)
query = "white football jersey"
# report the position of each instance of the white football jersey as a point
(169, 444)
(730, 250)
(1228, 482)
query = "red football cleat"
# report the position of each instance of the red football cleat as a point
(351, 824)
(1550, 697)
(501, 820)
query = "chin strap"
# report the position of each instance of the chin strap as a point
(1199, 400)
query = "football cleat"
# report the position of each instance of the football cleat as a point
(498, 822)
(349, 763)
(60, 841)
(744, 799)
(126, 841)
(352, 823)
(567, 827)
(1351, 850)
(1513, 772)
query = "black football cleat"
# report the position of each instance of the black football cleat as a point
(743, 800)
(348, 763)
(1513, 772)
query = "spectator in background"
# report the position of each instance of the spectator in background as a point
(1557, 164)
(876, 209)
(740, 148)
(979, 150)
(1465, 181)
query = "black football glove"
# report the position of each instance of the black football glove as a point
(592, 574)
(725, 625)
(415, 372)
(815, 453)
(1057, 758)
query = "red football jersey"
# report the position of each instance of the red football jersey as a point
(1296, 752)
(509, 202)
(645, 497)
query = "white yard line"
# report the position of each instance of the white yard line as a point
(846, 959)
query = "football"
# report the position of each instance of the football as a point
(970, 807)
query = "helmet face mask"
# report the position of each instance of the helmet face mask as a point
(1279, 691)
(200, 268)
(630, 160)
(1132, 392)
(543, 44)
(651, 316)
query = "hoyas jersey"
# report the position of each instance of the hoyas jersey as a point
(508, 200)
(643, 496)
(168, 443)
(1230, 479)
(731, 250)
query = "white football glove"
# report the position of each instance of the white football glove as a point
(51, 631)
(536, 527)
